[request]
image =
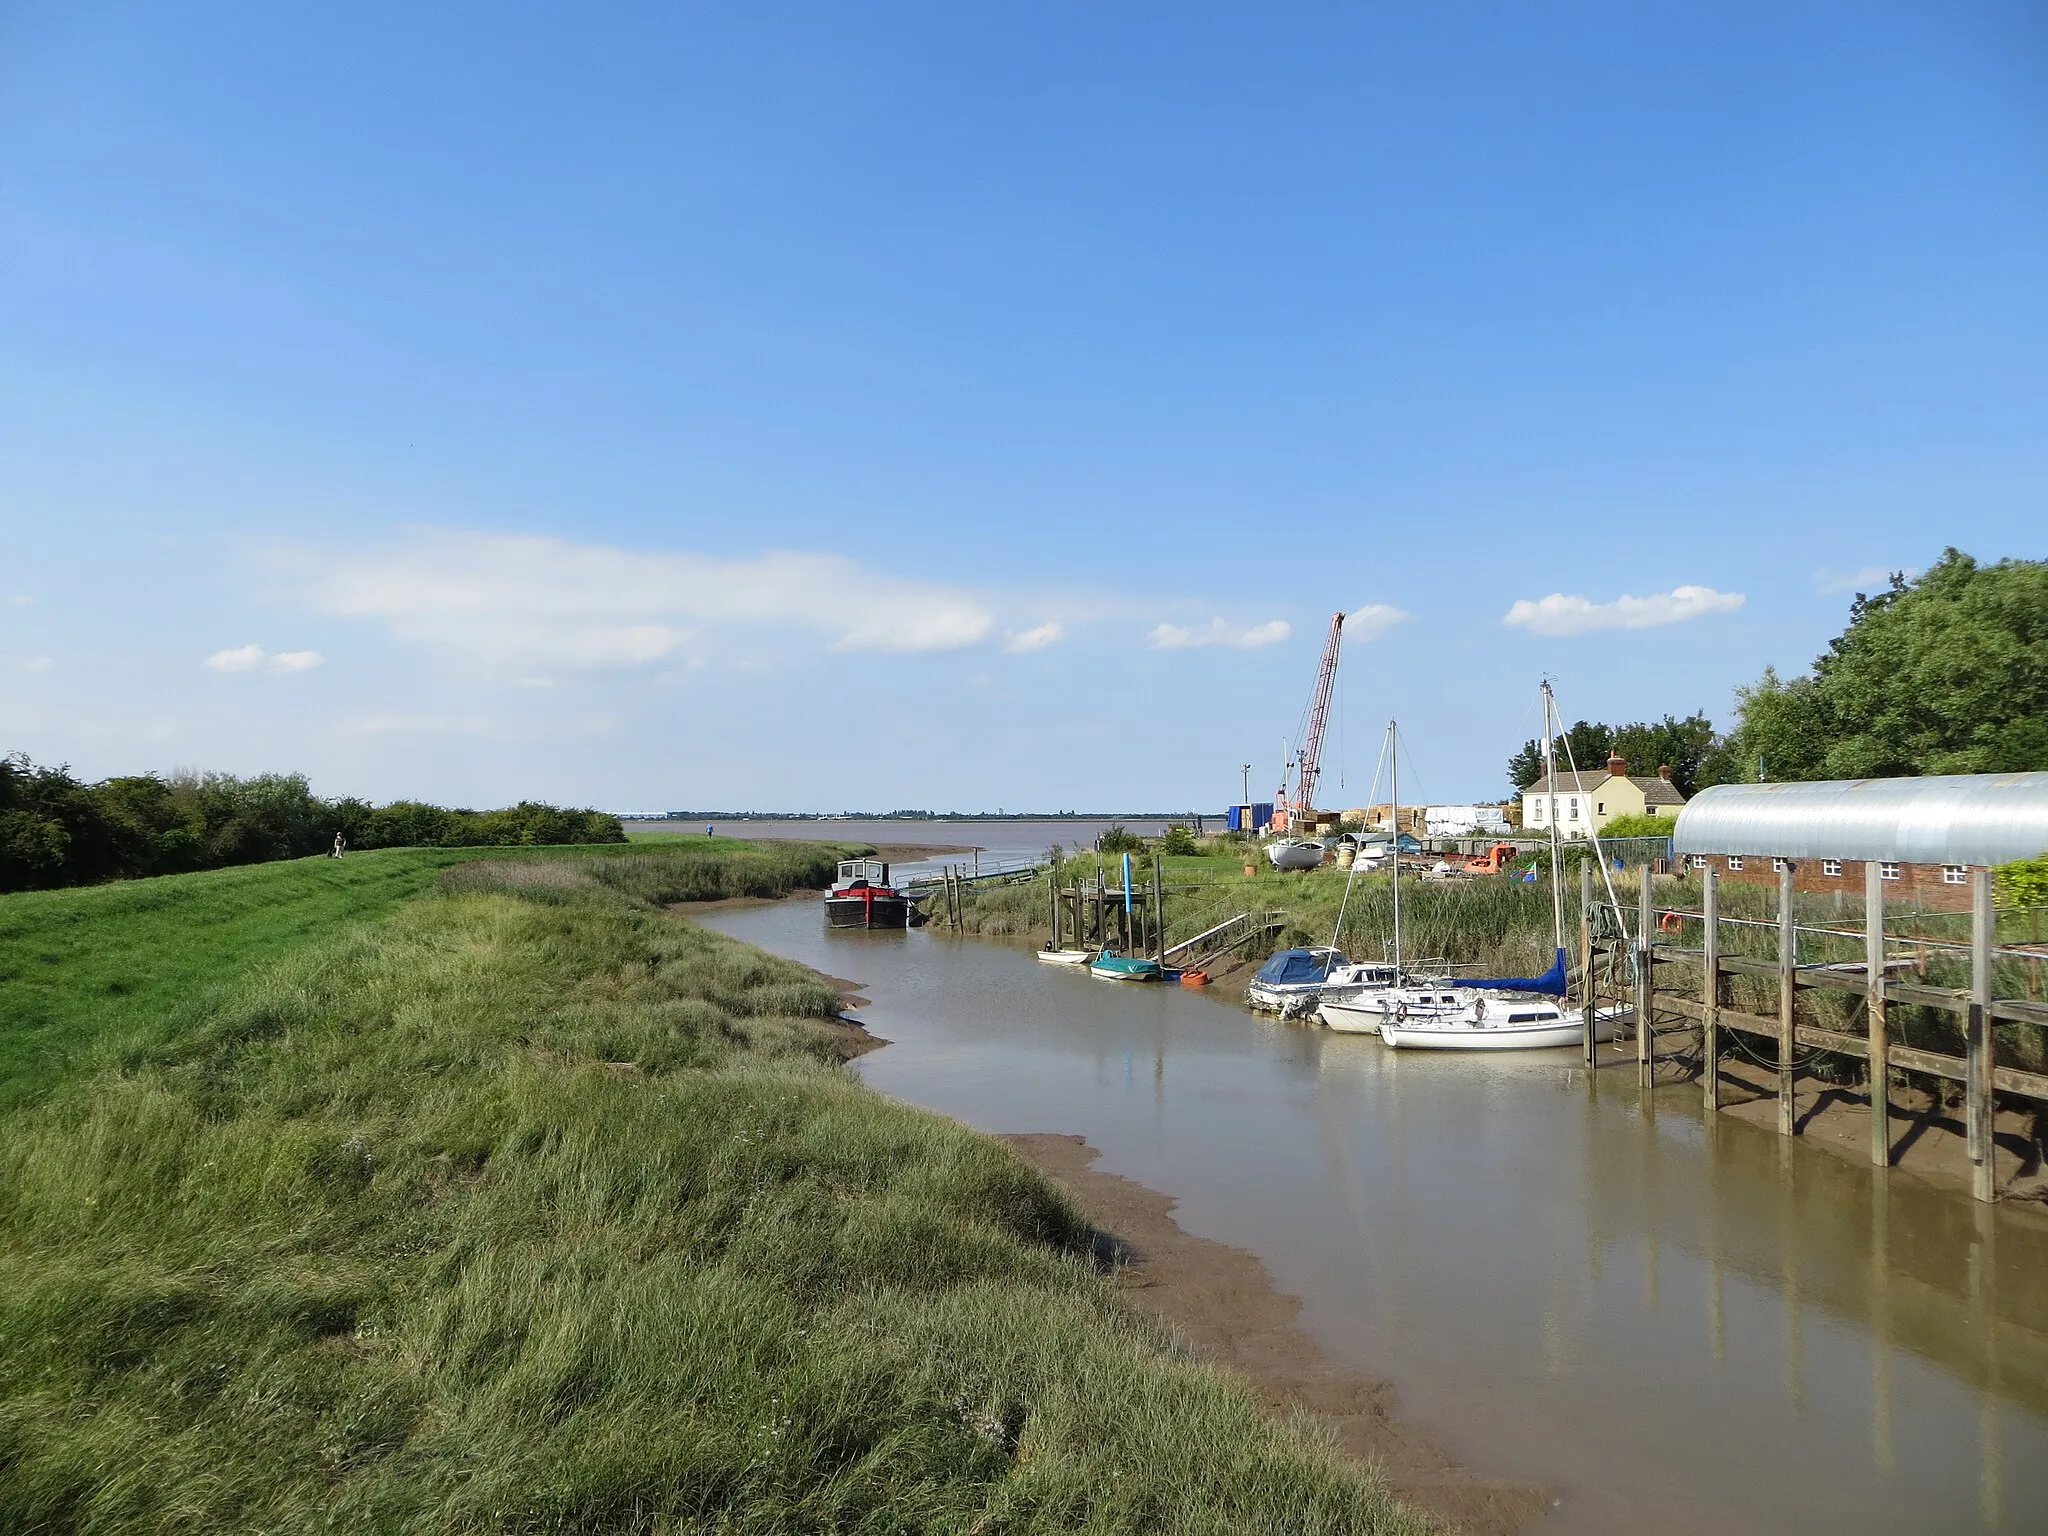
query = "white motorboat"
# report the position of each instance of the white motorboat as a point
(1349, 985)
(1293, 979)
(1065, 956)
(1294, 853)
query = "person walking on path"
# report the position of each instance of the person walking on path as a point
(340, 843)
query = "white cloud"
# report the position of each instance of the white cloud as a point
(1872, 578)
(1373, 620)
(1559, 614)
(526, 602)
(1177, 637)
(248, 658)
(242, 658)
(19, 600)
(30, 664)
(1037, 639)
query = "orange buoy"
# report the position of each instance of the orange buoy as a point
(1194, 978)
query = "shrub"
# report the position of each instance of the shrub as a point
(1179, 841)
(1117, 840)
(2022, 883)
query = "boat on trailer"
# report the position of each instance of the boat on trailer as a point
(862, 897)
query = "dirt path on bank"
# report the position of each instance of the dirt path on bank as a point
(1222, 1304)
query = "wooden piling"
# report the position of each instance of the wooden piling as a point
(1710, 988)
(1981, 1045)
(1877, 1047)
(1788, 969)
(1646, 921)
(1158, 915)
(1588, 1007)
(1052, 887)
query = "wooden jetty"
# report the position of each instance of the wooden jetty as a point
(1684, 1009)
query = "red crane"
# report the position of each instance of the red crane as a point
(1307, 765)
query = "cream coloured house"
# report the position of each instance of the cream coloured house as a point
(1586, 802)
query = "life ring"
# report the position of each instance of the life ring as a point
(1671, 922)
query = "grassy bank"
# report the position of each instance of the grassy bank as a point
(90, 972)
(527, 1206)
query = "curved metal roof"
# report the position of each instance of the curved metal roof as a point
(1964, 818)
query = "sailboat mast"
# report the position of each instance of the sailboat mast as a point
(1550, 778)
(1394, 792)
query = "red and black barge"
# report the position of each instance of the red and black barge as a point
(862, 897)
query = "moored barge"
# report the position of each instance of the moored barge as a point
(863, 898)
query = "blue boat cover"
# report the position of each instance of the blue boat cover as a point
(1289, 965)
(1551, 981)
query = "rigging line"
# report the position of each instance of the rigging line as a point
(1606, 875)
(1337, 933)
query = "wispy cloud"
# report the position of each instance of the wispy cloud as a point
(1872, 578)
(253, 658)
(29, 664)
(1036, 639)
(1177, 637)
(19, 600)
(1560, 614)
(1373, 620)
(534, 603)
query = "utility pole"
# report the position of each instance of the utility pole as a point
(1246, 769)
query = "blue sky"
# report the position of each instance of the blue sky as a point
(975, 406)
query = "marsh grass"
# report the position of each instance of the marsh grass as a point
(528, 1207)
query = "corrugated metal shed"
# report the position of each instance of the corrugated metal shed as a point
(1964, 818)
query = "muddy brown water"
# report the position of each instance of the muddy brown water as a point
(1680, 1325)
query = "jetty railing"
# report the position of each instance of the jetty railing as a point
(1639, 972)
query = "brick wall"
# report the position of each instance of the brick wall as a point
(1924, 881)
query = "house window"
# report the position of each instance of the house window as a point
(1831, 866)
(1887, 871)
(1954, 874)
(1600, 808)
(1575, 808)
(1699, 861)
(1735, 861)
(1779, 866)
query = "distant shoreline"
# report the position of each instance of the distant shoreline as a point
(913, 815)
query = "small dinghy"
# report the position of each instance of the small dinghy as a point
(1051, 956)
(1111, 966)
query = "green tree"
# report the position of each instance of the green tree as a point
(1944, 674)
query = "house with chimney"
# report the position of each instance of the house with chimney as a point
(1584, 802)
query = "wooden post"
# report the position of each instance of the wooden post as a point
(1788, 962)
(1158, 915)
(1052, 887)
(1586, 1002)
(1710, 988)
(1879, 1049)
(1983, 1150)
(1646, 922)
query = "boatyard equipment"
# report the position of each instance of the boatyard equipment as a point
(1296, 811)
